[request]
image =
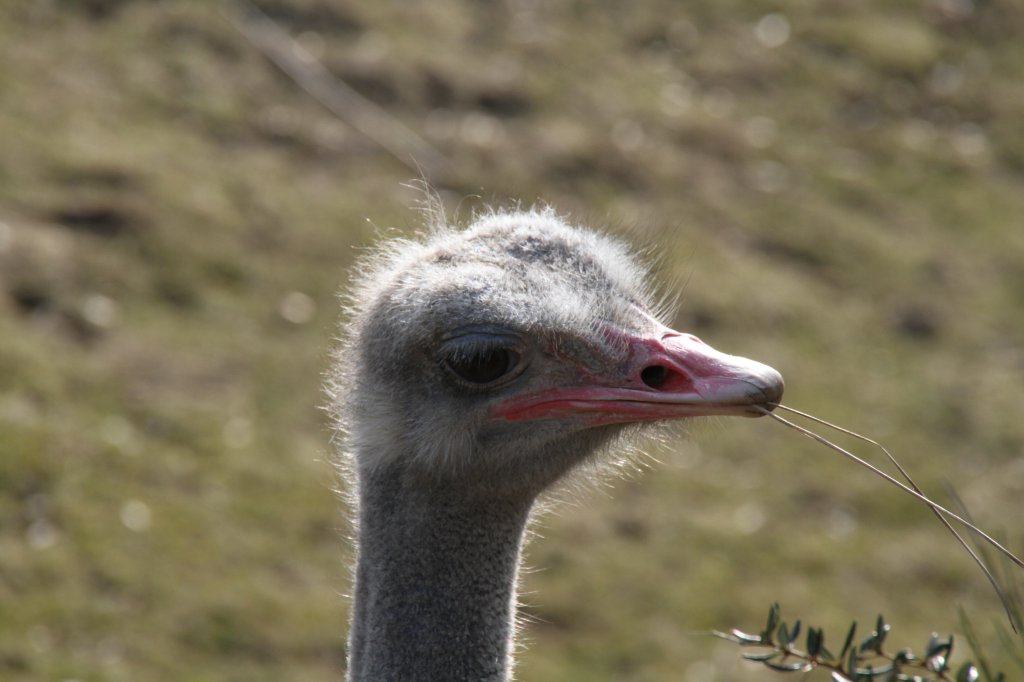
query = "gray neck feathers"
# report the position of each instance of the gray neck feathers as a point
(435, 580)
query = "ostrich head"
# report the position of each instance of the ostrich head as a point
(501, 356)
(480, 366)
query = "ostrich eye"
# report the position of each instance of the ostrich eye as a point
(484, 365)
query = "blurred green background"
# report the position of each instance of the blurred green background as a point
(836, 187)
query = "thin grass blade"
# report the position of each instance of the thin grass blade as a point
(910, 491)
(996, 584)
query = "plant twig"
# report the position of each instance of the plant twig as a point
(337, 96)
(866, 660)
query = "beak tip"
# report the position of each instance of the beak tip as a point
(771, 386)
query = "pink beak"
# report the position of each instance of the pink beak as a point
(667, 376)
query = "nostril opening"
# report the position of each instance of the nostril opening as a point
(655, 375)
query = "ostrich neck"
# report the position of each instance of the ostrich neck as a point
(435, 581)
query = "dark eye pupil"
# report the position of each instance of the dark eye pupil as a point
(484, 367)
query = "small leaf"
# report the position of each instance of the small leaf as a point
(816, 646)
(938, 652)
(875, 672)
(773, 621)
(789, 667)
(745, 638)
(938, 663)
(768, 655)
(967, 673)
(881, 631)
(851, 661)
(873, 642)
(849, 639)
(814, 639)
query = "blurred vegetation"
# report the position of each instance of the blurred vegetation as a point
(835, 187)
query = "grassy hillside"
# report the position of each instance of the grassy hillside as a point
(837, 188)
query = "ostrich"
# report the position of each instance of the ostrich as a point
(479, 367)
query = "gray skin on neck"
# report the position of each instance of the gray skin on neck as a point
(434, 583)
(442, 489)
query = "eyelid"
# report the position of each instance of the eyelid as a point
(480, 338)
(476, 342)
(469, 341)
(483, 331)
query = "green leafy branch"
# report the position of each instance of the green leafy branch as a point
(856, 661)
